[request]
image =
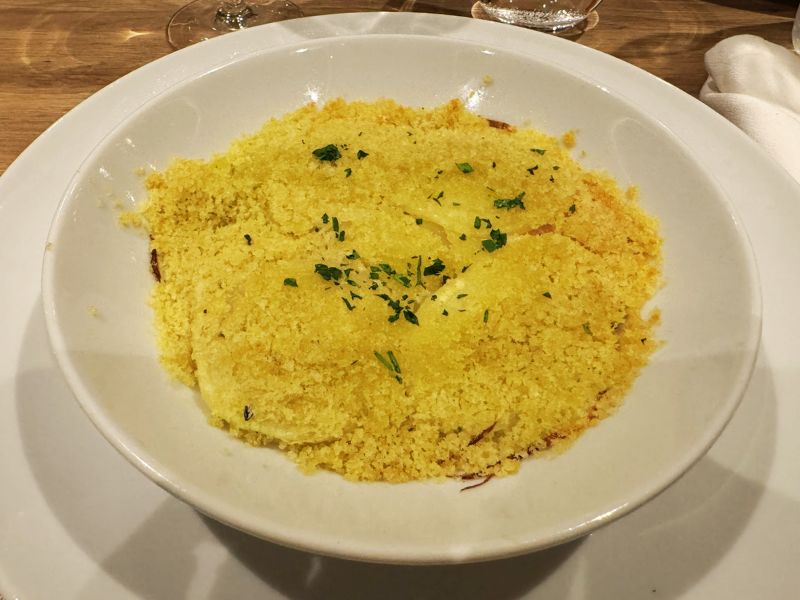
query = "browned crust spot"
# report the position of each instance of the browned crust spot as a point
(154, 264)
(500, 125)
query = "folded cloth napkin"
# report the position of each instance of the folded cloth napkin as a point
(756, 84)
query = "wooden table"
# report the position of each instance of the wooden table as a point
(55, 54)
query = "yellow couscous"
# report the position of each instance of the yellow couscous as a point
(396, 294)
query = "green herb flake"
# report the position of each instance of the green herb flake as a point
(439, 197)
(465, 167)
(436, 267)
(393, 359)
(556, 167)
(586, 329)
(510, 203)
(249, 239)
(410, 317)
(328, 273)
(325, 218)
(445, 313)
(498, 240)
(571, 209)
(418, 221)
(391, 364)
(361, 154)
(538, 150)
(462, 296)
(290, 281)
(335, 225)
(327, 153)
(462, 237)
(353, 255)
(348, 171)
(477, 223)
(547, 295)
(247, 413)
(347, 303)
(533, 170)
(486, 316)
(340, 236)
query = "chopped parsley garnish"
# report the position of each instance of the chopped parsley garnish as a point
(462, 237)
(325, 218)
(445, 313)
(478, 220)
(327, 153)
(571, 208)
(290, 281)
(538, 150)
(410, 317)
(586, 329)
(498, 240)
(395, 364)
(533, 170)
(335, 225)
(436, 267)
(418, 221)
(547, 295)
(438, 197)
(247, 413)
(361, 154)
(249, 239)
(486, 316)
(328, 273)
(353, 255)
(465, 267)
(391, 364)
(510, 203)
(556, 167)
(348, 171)
(465, 167)
(347, 303)
(340, 236)
(552, 179)
(462, 296)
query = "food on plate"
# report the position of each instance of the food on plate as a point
(397, 293)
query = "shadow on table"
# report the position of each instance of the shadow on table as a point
(669, 544)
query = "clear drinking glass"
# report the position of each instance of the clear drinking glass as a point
(547, 15)
(203, 19)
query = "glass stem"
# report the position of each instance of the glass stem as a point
(233, 14)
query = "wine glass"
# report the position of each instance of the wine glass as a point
(203, 19)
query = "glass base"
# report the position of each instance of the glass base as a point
(563, 21)
(204, 19)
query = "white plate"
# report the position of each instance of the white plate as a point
(96, 541)
(711, 312)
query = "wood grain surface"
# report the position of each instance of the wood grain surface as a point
(55, 54)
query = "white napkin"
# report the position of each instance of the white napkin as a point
(756, 84)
